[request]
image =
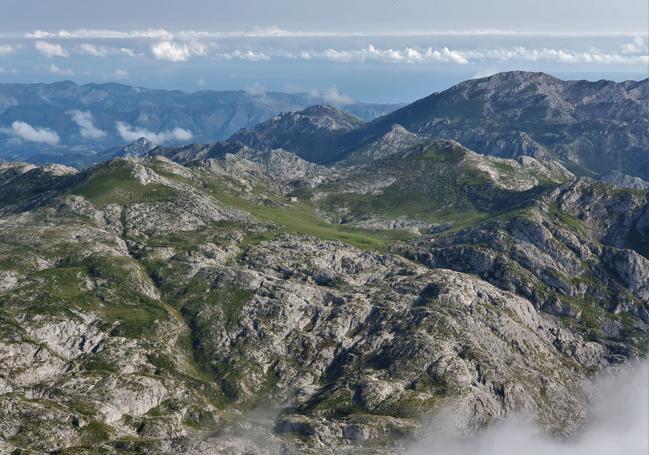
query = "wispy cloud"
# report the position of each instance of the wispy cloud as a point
(274, 31)
(58, 71)
(130, 134)
(100, 34)
(120, 74)
(555, 55)
(407, 55)
(636, 46)
(102, 51)
(85, 122)
(332, 96)
(618, 424)
(253, 56)
(51, 50)
(25, 132)
(6, 49)
(256, 89)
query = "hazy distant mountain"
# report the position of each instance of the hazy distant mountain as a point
(74, 124)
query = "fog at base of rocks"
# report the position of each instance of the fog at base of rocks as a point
(619, 425)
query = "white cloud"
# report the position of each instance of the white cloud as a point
(274, 31)
(25, 132)
(636, 46)
(332, 96)
(91, 49)
(100, 34)
(60, 71)
(126, 51)
(256, 89)
(484, 73)
(556, 55)
(618, 424)
(120, 74)
(407, 55)
(269, 31)
(51, 50)
(6, 49)
(253, 56)
(170, 51)
(175, 52)
(102, 51)
(86, 125)
(130, 134)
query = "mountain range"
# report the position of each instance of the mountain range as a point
(591, 127)
(320, 284)
(93, 118)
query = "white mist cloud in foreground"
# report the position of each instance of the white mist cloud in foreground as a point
(619, 425)
(85, 122)
(130, 134)
(25, 132)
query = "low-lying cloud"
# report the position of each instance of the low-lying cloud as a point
(51, 50)
(103, 51)
(130, 134)
(250, 55)
(6, 49)
(256, 89)
(275, 31)
(85, 122)
(636, 46)
(332, 96)
(619, 425)
(58, 71)
(176, 52)
(271, 43)
(407, 55)
(25, 132)
(85, 33)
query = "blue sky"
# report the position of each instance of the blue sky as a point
(374, 50)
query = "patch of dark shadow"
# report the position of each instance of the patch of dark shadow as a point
(303, 429)
(430, 292)
(336, 368)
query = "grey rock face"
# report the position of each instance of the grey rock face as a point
(593, 126)
(152, 307)
(311, 133)
(138, 148)
(624, 181)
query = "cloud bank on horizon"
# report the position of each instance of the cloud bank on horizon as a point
(315, 48)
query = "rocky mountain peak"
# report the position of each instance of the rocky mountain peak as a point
(139, 147)
(624, 181)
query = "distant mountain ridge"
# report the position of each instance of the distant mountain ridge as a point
(591, 127)
(85, 117)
